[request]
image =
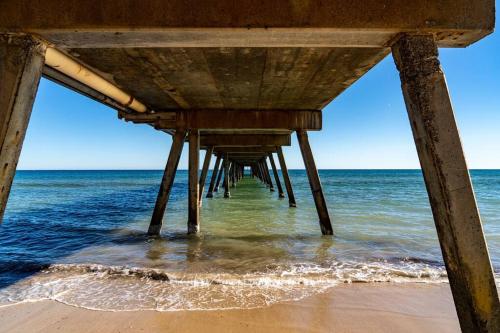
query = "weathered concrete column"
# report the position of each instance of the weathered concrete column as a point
(219, 177)
(276, 177)
(268, 175)
(21, 63)
(213, 177)
(227, 194)
(264, 173)
(448, 183)
(194, 189)
(232, 170)
(259, 172)
(166, 182)
(315, 183)
(286, 178)
(204, 171)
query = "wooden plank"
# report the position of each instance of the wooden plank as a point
(448, 184)
(166, 183)
(193, 185)
(257, 23)
(21, 64)
(204, 171)
(215, 171)
(276, 176)
(315, 183)
(286, 178)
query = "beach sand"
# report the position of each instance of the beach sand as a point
(346, 308)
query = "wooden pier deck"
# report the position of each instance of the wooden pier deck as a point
(239, 78)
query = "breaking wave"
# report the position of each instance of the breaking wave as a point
(118, 288)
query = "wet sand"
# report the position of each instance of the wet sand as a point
(346, 308)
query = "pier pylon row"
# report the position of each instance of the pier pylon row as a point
(232, 159)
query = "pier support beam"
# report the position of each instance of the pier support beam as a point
(261, 173)
(276, 177)
(264, 173)
(213, 177)
(21, 64)
(194, 189)
(227, 194)
(286, 178)
(219, 177)
(268, 175)
(204, 171)
(166, 182)
(232, 171)
(315, 183)
(448, 183)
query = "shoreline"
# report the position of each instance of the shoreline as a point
(370, 307)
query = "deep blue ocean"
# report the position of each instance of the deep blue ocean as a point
(79, 237)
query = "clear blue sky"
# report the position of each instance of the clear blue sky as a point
(365, 127)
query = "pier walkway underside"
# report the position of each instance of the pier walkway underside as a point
(238, 78)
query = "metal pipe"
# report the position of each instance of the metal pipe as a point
(64, 64)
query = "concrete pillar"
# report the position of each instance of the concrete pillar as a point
(227, 194)
(194, 190)
(214, 176)
(268, 175)
(166, 182)
(448, 183)
(232, 177)
(21, 64)
(204, 171)
(286, 178)
(219, 176)
(315, 183)
(276, 177)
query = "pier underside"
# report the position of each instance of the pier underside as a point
(237, 79)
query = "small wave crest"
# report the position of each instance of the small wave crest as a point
(118, 288)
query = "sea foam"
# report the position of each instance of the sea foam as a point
(118, 288)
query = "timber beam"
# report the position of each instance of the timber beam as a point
(225, 119)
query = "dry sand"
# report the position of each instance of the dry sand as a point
(346, 308)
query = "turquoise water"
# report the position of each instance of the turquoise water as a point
(78, 237)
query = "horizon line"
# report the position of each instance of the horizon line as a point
(340, 169)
